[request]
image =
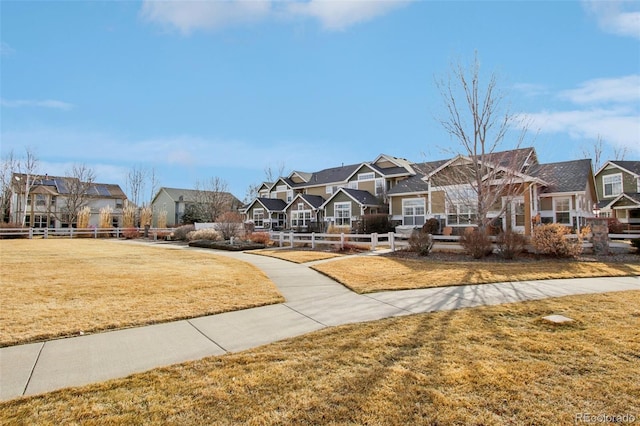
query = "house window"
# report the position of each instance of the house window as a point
(40, 200)
(300, 218)
(563, 210)
(380, 187)
(612, 185)
(461, 213)
(289, 195)
(352, 185)
(342, 213)
(119, 204)
(39, 221)
(281, 188)
(518, 213)
(258, 218)
(413, 211)
(330, 189)
(366, 176)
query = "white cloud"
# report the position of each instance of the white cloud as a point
(5, 49)
(30, 103)
(189, 16)
(616, 17)
(612, 90)
(335, 15)
(606, 107)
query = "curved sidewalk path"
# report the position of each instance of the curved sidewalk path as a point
(313, 301)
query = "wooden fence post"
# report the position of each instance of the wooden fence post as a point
(30, 233)
(281, 238)
(95, 232)
(341, 241)
(374, 241)
(46, 233)
(291, 239)
(313, 240)
(392, 241)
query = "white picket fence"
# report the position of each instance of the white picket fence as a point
(77, 232)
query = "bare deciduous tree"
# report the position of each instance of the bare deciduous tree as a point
(79, 182)
(478, 121)
(598, 153)
(9, 167)
(135, 183)
(271, 174)
(213, 196)
(26, 178)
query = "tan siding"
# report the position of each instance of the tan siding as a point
(317, 190)
(438, 202)
(546, 204)
(368, 185)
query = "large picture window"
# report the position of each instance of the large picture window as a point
(342, 214)
(258, 218)
(413, 211)
(300, 218)
(612, 185)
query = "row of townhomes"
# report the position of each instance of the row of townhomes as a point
(412, 193)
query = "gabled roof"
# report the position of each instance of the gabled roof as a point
(566, 176)
(400, 163)
(315, 201)
(189, 195)
(302, 175)
(364, 198)
(416, 183)
(632, 167)
(271, 204)
(332, 175)
(633, 197)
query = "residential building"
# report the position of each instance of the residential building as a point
(618, 187)
(48, 201)
(523, 192)
(175, 201)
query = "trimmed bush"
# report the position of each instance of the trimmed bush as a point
(550, 239)
(225, 245)
(421, 242)
(476, 243)
(229, 224)
(431, 226)
(615, 227)
(208, 234)
(130, 233)
(510, 244)
(260, 238)
(636, 244)
(180, 233)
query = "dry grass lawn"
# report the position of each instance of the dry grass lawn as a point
(54, 287)
(370, 274)
(296, 256)
(492, 365)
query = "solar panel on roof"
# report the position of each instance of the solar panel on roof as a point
(61, 186)
(103, 191)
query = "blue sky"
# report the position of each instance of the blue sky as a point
(227, 88)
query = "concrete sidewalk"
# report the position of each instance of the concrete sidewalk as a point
(313, 301)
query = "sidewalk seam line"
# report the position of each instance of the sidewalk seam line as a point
(207, 337)
(24, 391)
(386, 303)
(305, 315)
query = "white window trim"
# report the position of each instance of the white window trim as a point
(617, 176)
(261, 211)
(366, 176)
(417, 202)
(380, 184)
(342, 218)
(556, 211)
